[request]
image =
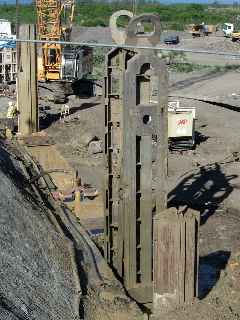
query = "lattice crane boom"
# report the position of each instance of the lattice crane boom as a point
(54, 22)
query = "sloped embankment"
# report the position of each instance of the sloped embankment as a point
(49, 267)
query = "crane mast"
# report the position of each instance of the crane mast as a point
(54, 23)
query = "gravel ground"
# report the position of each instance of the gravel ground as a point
(215, 42)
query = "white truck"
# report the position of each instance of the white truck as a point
(228, 29)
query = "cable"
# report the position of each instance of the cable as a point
(125, 46)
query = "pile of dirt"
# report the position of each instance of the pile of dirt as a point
(74, 135)
(91, 34)
(38, 274)
(50, 268)
(222, 45)
(213, 43)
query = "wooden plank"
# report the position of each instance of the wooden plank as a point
(181, 266)
(166, 262)
(197, 226)
(33, 79)
(190, 253)
(175, 259)
(177, 233)
(27, 83)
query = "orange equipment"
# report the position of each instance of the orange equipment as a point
(59, 62)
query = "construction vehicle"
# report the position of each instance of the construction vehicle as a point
(172, 39)
(228, 29)
(198, 30)
(235, 36)
(230, 32)
(60, 62)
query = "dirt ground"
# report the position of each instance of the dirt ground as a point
(214, 42)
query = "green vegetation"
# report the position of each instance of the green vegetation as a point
(99, 62)
(186, 67)
(97, 13)
(27, 13)
(173, 17)
(176, 62)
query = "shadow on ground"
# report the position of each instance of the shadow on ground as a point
(200, 138)
(210, 267)
(204, 190)
(46, 119)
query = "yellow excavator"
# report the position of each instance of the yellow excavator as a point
(57, 61)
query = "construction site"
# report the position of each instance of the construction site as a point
(119, 168)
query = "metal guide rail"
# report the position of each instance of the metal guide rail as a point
(113, 100)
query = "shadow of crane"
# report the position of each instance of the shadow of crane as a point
(203, 191)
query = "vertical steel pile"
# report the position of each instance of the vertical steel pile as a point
(142, 119)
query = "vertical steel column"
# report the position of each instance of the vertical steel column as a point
(142, 119)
